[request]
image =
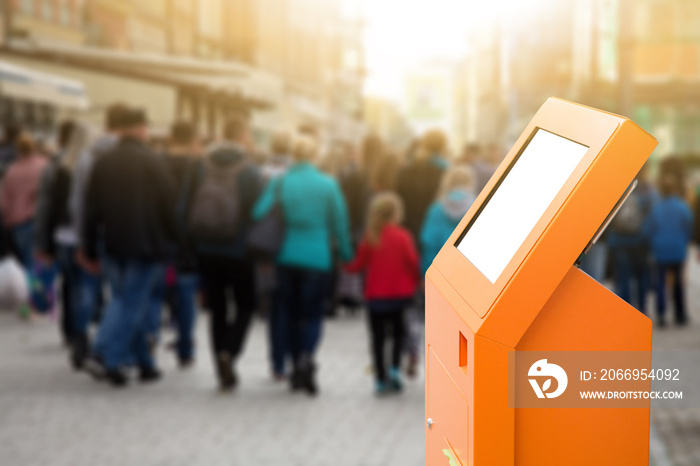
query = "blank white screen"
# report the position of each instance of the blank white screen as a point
(519, 202)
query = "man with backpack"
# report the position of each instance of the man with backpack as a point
(129, 212)
(629, 247)
(219, 219)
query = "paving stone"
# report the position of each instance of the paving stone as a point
(51, 415)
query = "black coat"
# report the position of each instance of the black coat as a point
(185, 172)
(52, 208)
(417, 185)
(130, 205)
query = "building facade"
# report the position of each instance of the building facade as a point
(281, 62)
(639, 58)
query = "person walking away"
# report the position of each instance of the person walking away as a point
(90, 282)
(55, 239)
(418, 182)
(277, 165)
(18, 198)
(629, 247)
(417, 186)
(183, 162)
(669, 230)
(129, 209)
(390, 258)
(454, 199)
(219, 219)
(315, 216)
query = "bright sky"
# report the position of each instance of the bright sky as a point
(402, 32)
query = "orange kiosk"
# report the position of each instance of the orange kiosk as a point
(506, 281)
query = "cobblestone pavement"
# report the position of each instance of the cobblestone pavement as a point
(50, 415)
(678, 429)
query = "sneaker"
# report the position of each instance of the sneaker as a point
(185, 363)
(311, 384)
(149, 374)
(227, 377)
(116, 378)
(395, 382)
(295, 380)
(661, 323)
(304, 377)
(95, 368)
(380, 388)
(79, 351)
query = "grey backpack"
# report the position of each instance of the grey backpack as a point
(630, 218)
(215, 213)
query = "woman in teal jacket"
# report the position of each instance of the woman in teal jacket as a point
(316, 218)
(455, 197)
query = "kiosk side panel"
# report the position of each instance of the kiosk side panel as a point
(582, 315)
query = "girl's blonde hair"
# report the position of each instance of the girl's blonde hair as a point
(457, 177)
(384, 209)
(304, 149)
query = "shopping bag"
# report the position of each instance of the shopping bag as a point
(13, 284)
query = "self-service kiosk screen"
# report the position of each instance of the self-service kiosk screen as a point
(520, 198)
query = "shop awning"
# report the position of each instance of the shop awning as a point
(22, 83)
(224, 79)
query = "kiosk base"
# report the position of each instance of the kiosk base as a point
(467, 387)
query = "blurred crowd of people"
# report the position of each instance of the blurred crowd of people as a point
(129, 228)
(645, 249)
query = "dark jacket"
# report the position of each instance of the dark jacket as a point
(250, 186)
(355, 186)
(417, 185)
(4, 241)
(129, 205)
(52, 207)
(696, 218)
(185, 171)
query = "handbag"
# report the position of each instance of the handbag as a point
(266, 236)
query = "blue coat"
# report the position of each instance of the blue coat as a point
(440, 221)
(669, 229)
(315, 215)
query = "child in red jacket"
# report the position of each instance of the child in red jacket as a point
(389, 257)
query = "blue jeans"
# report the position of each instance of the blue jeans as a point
(676, 270)
(89, 290)
(23, 240)
(302, 293)
(182, 300)
(123, 336)
(632, 269)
